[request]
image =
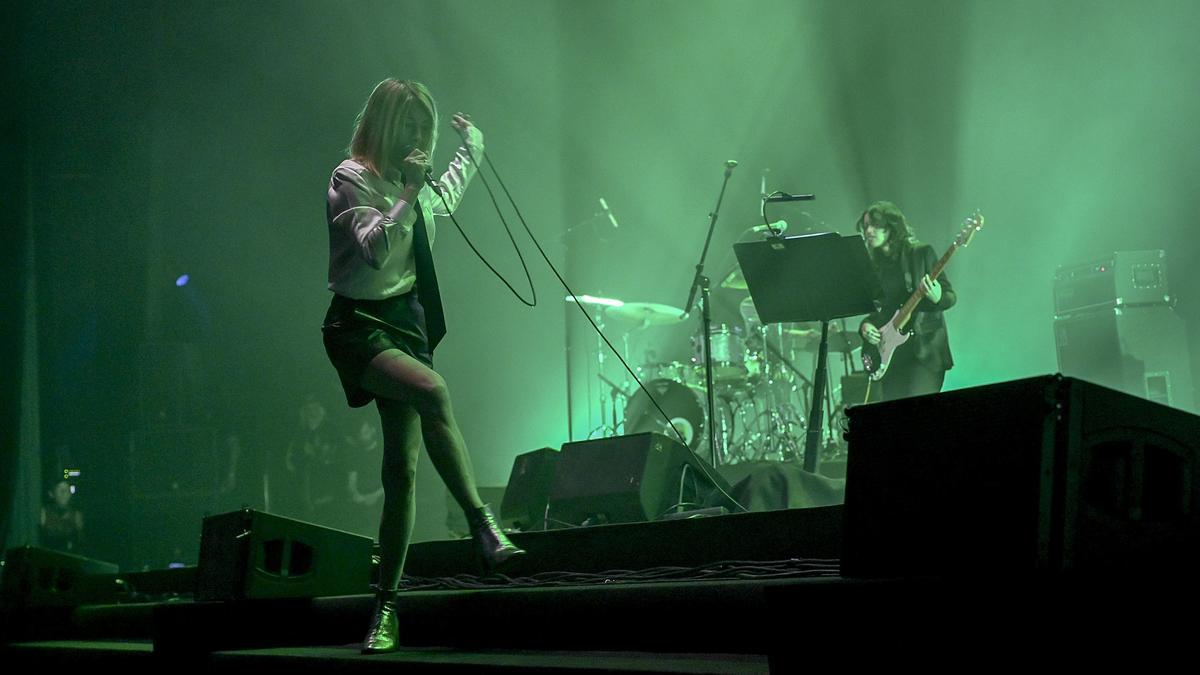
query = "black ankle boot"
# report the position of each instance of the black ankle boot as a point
(492, 544)
(384, 632)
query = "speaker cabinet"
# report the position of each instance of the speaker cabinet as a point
(1123, 278)
(525, 498)
(249, 555)
(1141, 351)
(46, 578)
(1041, 474)
(626, 479)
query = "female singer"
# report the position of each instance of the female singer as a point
(385, 318)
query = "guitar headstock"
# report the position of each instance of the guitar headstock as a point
(972, 224)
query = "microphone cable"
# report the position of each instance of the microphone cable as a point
(450, 212)
(491, 165)
(770, 228)
(712, 424)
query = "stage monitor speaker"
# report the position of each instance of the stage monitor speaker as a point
(1141, 351)
(1045, 474)
(626, 479)
(524, 504)
(248, 554)
(41, 577)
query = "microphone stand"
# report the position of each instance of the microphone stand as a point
(815, 431)
(701, 282)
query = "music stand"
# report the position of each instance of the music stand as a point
(812, 277)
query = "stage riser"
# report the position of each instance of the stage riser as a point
(771, 535)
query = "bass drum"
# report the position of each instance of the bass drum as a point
(687, 407)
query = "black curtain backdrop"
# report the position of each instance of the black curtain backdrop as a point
(12, 256)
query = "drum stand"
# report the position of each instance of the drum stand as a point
(615, 391)
(788, 445)
(604, 428)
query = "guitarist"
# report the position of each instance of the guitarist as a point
(919, 366)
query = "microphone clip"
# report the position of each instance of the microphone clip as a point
(780, 196)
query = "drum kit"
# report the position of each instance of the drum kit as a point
(761, 395)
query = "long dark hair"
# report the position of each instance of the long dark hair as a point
(888, 216)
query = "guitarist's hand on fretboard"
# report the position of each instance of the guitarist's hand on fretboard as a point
(932, 289)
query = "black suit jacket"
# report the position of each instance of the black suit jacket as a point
(929, 342)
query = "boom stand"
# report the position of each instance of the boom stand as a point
(700, 282)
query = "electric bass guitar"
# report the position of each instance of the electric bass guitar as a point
(897, 331)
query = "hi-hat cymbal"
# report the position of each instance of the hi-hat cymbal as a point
(648, 313)
(806, 337)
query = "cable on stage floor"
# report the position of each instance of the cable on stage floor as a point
(733, 570)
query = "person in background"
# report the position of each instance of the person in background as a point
(61, 522)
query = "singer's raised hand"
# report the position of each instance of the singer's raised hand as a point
(467, 129)
(414, 167)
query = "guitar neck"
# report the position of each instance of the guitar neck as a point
(906, 311)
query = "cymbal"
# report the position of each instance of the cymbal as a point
(593, 300)
(734, 280)
(792, 329)
(648, 313)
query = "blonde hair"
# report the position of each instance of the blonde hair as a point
(379, 136)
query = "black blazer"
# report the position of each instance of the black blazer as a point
(929, 341)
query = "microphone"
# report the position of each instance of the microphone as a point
(431, 182)
(604, 209)
(777, 226)
(785, 197)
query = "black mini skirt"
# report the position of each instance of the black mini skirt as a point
(356, 331)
